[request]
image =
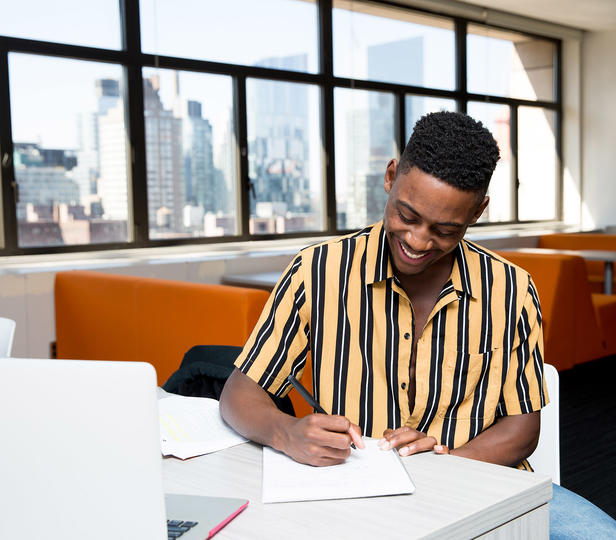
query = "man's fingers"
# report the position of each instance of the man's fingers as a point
(355, 434)
(441, 449)
(334, 431)
(422, 445)
(400, 437)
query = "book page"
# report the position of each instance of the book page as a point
(192, 426)
(369, 472)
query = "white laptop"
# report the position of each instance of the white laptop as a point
(80, 456)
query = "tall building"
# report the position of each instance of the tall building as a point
(165, 173)
(278, 127)
(113, 173)
(87, 172)
(198, 157)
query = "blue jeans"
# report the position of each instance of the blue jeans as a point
(573, 517)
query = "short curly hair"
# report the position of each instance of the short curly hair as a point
(454, 148)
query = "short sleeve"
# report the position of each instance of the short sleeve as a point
(279, 343)
(524, 389)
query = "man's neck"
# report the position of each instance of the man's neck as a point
(430, 282)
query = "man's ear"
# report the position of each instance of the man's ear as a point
(390, 174)
(480, 209)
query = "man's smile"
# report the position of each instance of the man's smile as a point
(412, 256)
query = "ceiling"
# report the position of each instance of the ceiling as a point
(593, 15)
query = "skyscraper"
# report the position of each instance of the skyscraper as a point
(165, 174)
(278, 129)
(87, 172)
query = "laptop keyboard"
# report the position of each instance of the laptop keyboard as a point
(176, 528)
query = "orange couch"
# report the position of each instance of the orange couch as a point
(583, 241)
(115, 317)
(577, 325)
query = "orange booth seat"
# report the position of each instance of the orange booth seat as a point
(577, 326)
(577, 241)
(115, 317)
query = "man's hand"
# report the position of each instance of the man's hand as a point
(410, 441)
(321, 439)
(316, 439)
(506, 442)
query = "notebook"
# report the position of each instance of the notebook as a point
(80, 456)
(369, 472)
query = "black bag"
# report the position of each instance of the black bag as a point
(204, 371)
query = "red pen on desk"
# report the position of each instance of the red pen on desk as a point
(309, 399)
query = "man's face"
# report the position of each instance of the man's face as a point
(425, 218)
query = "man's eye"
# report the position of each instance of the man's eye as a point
(443, 234)
(404, 218)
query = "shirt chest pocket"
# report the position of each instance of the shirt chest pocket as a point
(470, 386)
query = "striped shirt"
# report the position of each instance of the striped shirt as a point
(479, 356)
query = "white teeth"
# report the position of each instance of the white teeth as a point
(410, 255)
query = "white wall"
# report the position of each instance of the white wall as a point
(599, 128)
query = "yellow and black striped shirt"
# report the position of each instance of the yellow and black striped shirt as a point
(479, 356)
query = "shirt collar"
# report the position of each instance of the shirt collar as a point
(464, 274)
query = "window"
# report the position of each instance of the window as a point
(150, 123)
(510, 64)
(393, 45)
(69, 151)
(365, 142)
(190, 163)
(496, 117)
(280, 34)
(284, 158)
(95, 23)
(537, 164)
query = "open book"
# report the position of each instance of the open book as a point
(369, 472)
(192, 426)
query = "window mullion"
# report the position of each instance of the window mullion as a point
(9, 186)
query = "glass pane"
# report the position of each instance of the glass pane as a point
(417, 106)
(508, 64)
(95, 23)
(496, 118)
(190, 154)
(365, 142)
(393, 45)
(284, 157)
(70, 151)
(279, 34)
(537, 163)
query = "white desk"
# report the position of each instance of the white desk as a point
(608, 258)
(455, 498)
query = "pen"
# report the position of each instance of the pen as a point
(309, 399)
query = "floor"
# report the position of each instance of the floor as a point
(588, 431)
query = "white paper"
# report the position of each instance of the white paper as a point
(369, 472)
(192, 426)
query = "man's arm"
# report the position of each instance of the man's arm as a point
(508, 441)
(316, 439)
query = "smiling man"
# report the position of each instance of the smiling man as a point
(416, 335)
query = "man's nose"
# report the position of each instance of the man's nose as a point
(419, 239)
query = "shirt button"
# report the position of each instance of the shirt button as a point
(403, 385)
(407, 336)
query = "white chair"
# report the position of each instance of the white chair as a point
(7, 332)
(546, 457)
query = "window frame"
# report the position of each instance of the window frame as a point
(133, 60)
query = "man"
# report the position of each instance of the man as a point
(413, 332)
(416, 335)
